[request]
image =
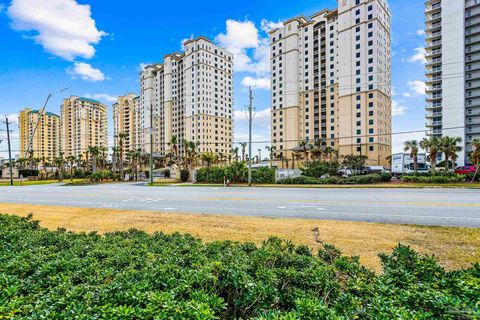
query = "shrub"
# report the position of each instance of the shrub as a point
(212, 175)
(385, 176)
(317, 168)
(299, 180)
(133, 275)
(236, 172)
(184, 174)
(101, 175)
(469, 177)
(442, 179)
(364, 179)
(28, 173)
(263, 175)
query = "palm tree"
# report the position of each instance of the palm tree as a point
(412, 146)
(209, 158)
(121, 137)
(305, 146)
(433, 146)
(173, 143)
(71, 160)
(244, 146)
(94, 152)
(271, 151)
(296, 156)
(475, 156)
(318, 149)
(328, 151)
(235, 152)
(450, 149)
(59, 163)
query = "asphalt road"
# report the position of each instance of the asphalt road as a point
(435, 207)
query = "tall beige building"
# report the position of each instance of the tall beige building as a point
(331, 80)
(191, 97)
(84, 124)
(45, 143)
(125, 120)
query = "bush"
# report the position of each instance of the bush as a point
(263, 175)
(133, 275)
(299, 180)
(28, 173)
(237, 172)
(316, 168)
(441, 179)
(101, 175)
(385, 176)
(184, 174)
(469, 177)
(365, 179)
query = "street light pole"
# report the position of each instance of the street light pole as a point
(250, 119)
(151, 144)
(9, 151)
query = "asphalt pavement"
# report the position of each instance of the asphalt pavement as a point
(434, 207)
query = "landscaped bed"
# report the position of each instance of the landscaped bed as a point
(134, 275)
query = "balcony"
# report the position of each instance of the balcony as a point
(433, 44)
(432, 124)
(434, 18)
(432, 115)
(433, 8)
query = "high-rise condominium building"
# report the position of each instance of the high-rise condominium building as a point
(190, 95)
(84, 125)
(453, 70)
(124, 121)
(39, 133)
(331, 80)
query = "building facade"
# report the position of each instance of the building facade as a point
(124, 121)
(189, 96)
(331, 80)
(39, 134)
(453, 70)
(84, 125)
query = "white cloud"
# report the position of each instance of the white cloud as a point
(12, 118)
(420, 32)
(398, 140)
(260, 115)
(257, 83)
(101, 96)
(86, 72)
(398, 109)
(64, 28)
(419, 56)
(242, 37)
(417, 87)
(184, 40)
(268, 26)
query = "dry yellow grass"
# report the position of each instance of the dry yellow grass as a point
(455, 247)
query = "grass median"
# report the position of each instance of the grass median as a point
(454, 247)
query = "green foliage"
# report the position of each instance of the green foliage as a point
(440, 179)
(317, 168)
(132, 275)
(263, 175)
(101, 175)
(28, 173)
(237, 172)
(364, 179)
(184, 174)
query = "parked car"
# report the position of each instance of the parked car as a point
(465, 170)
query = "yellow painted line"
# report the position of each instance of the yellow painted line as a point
(410, 203)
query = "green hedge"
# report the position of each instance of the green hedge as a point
(237, 172)
(364, 179)
(133, 275)
(28, 173)
(442, 179)
(316, 168)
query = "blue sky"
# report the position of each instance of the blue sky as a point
(96, 48)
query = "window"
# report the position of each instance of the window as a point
(370, 139)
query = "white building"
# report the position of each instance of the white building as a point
(191, 96)
(331, 80)
(453, 70)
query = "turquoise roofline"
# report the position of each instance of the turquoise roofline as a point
(90, 100)
(47, 113)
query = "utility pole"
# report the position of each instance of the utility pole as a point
(151, 144)
(9, 151)
(250, 110)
